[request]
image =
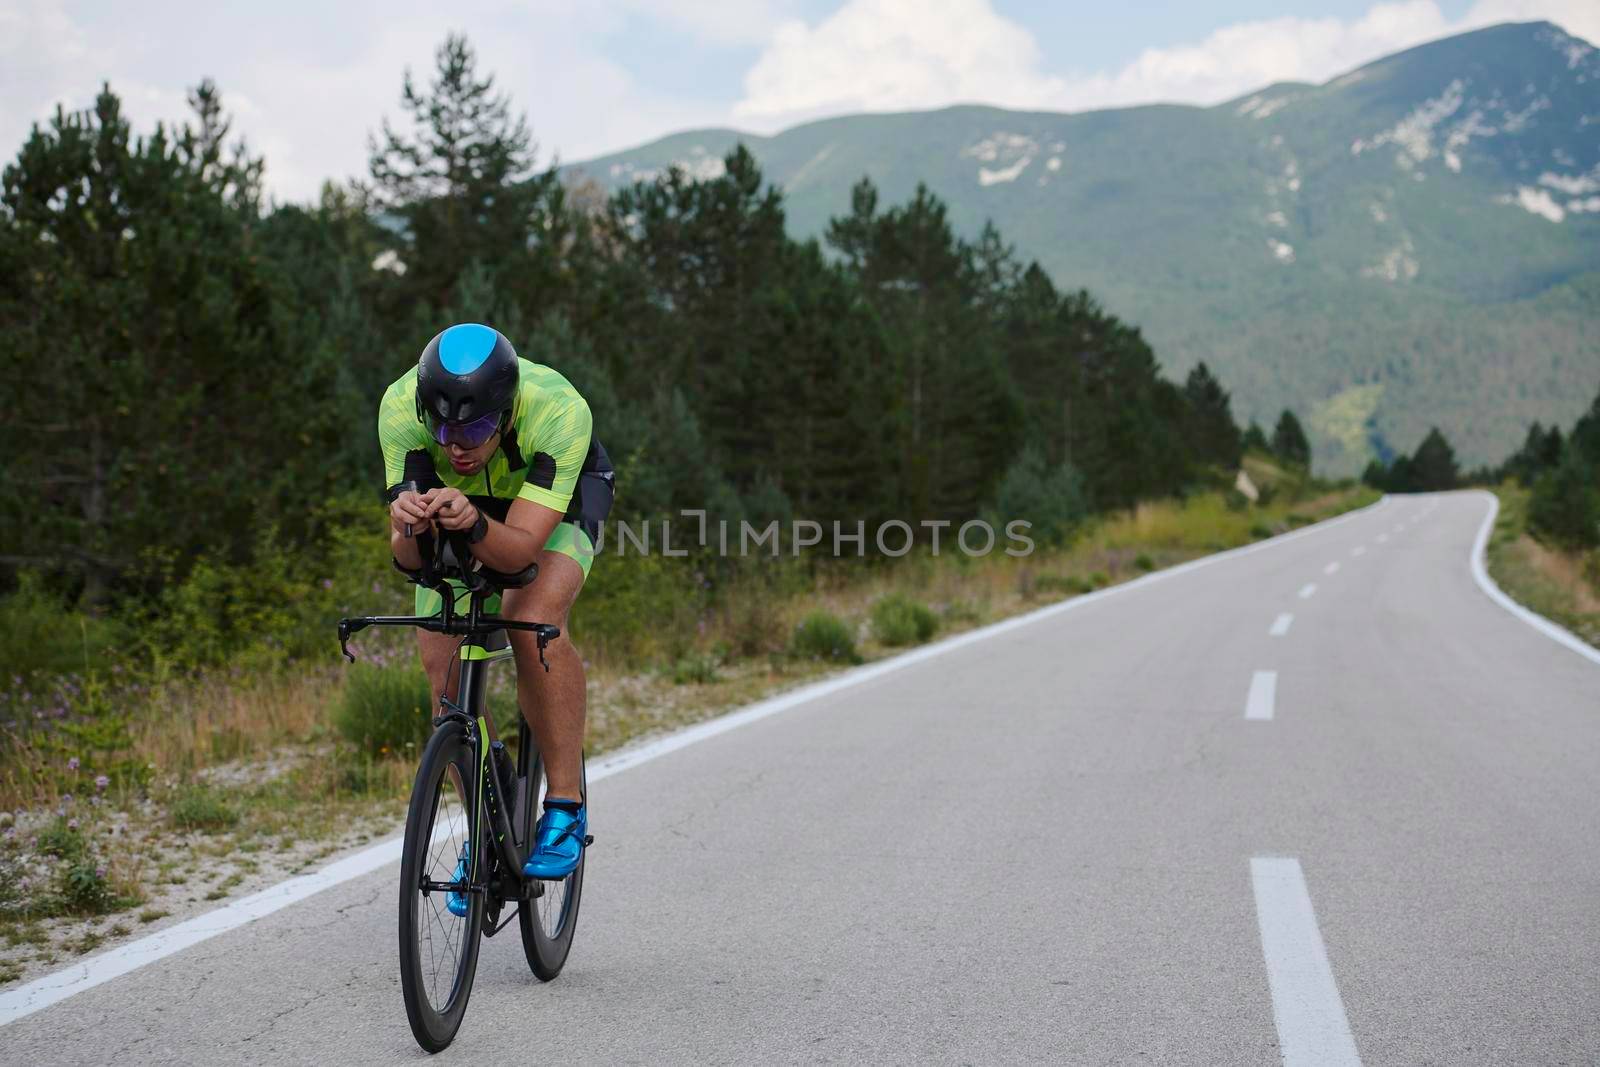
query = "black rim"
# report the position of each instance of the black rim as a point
(442, 936)
(438, 950)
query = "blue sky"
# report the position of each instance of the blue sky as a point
(307, 81)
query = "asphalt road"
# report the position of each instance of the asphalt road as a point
(1067, 843)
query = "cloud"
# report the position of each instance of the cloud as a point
(890, 55)
(896, 54)
(306, 81)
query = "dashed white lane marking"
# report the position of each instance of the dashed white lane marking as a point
(1263, 694)
(1307, 590)
(1281, 624)
(1382, 538)
(1359, 550)
(1332, 568)
(1306, 1007)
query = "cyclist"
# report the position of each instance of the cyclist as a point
(513, 464)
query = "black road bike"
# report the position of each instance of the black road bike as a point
(474, 808)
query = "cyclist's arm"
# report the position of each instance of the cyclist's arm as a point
(511, 545)
(399, 434)
(559, 436)
(407, 508)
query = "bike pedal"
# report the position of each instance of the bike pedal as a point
(588, 839)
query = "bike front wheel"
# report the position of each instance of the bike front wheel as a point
(439, 949)
(550, 917)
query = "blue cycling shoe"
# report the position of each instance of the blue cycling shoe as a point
(456, 903)
(558, 842)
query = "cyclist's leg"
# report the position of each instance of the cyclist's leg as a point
(554, 703)
(438, 651)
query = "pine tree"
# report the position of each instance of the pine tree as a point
(175, 355)
(1433, 465)
(1289, 440)
(1213, 435)
(1565, 505)
(461, 181)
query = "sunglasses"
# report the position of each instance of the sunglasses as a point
(466, 434)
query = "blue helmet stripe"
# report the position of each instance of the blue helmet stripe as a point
(462, 349)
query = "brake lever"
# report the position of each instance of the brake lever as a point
(346, 628)
(545, 634)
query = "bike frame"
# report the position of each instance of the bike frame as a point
(481, 636)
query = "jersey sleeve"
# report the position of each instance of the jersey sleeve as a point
(560, 440)
(399, 431)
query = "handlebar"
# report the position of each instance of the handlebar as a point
(446, 558)
(476, 625)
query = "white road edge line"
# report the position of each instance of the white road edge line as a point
(1306, 1008)
(1480, 574)
(87, 973)
(1263, 694)
(1332, 568)
(1307, 590)
(1281, 624)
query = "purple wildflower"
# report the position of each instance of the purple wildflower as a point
(72, 824)
(100, 783)
(327, 583)
(72, 764)
(99, 872)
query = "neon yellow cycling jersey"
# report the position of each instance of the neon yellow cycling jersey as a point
(539, 456)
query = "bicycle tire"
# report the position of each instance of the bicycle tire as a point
(549, 921)
(434, 1025)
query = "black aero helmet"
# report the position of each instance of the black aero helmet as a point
(468, 371)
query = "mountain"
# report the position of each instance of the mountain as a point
(1416, 242)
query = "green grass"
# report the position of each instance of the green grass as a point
(897, 620)
(824, 636)
(384, 709)
(202, 807)
(1560, 584)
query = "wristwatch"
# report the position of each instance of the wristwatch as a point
(480, 529)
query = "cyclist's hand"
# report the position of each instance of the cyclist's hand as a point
(451, 509)
(409, 509)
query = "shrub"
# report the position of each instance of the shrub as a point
(1259, 531)
(200, 807)
(1143, 562)
(898, 620)
(384, 709)
(822, 635)
(39, 633)
(694, 670)
(1052, 499)
(1565, 506)
(63, 841)
(1098, 580)
(83, 888)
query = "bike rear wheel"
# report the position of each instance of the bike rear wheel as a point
(438, 950)
(550, 917)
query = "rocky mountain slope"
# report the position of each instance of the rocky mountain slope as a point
(1414, 242)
